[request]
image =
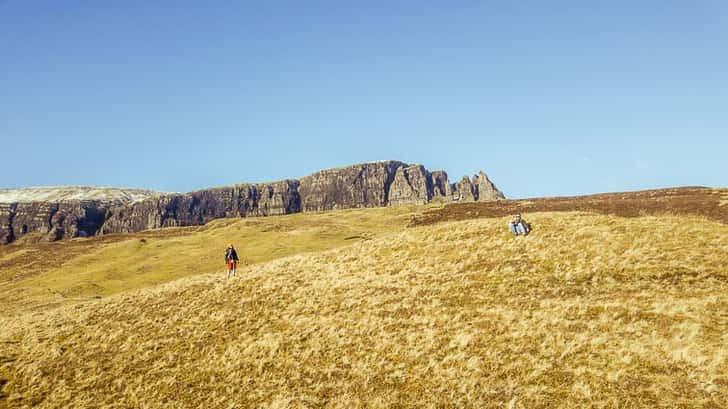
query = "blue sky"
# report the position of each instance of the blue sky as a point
(549, 98)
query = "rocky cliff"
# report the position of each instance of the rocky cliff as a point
(195, 208)
(361, 185)
(375, 184)
(411, 185)
(60, 212)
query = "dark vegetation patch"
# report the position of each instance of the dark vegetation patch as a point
(692, 201)
(357, 237)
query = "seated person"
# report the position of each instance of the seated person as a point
(519, 226)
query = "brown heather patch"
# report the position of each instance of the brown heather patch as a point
(692, 201)
(724, 197)
(589, 311)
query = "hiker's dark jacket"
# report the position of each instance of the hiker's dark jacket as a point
(231, 254)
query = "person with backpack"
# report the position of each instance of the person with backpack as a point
(231, 260)
(519, 226)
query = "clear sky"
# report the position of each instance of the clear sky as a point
(548, 97)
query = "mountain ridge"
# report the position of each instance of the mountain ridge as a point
(369, 184)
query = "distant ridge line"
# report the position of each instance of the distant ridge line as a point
(66, 212)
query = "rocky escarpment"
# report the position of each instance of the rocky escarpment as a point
(375, 184)
(54, 220)
(411, 185)
(195, 208)
(441, 187)
(361, 185)
(479, 188)
(60, 212)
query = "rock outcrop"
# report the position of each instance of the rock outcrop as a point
(195, 208)
(485, 189)
(60, 212)
(464, 190)
(361, 185)
(375, 184)
(53, 220)
(479, 188)
(441, 187)
(7, 215)
(411, 185)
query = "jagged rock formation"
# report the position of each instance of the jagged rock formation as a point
(464, 190)
(411, 185)
(441, 187)
(375, 184)
(485, 189)
(361, 185)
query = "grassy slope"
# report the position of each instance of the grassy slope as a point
(591, 310)
(37, 276)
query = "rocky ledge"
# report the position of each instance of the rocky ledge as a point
(375, 184)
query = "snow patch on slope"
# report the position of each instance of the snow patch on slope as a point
(73, 193)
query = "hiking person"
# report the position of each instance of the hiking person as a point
(231, 259)
(519, 226)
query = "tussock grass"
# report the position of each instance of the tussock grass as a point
(588, 311)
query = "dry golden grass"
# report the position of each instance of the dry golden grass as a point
(38, 276)
(589, 311)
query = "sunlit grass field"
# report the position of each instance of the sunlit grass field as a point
(353, 309)
(37, 276)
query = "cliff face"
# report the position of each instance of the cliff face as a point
(441, 187)
(7, 215)
(195, 208)
(411, 185)
(362, 185)
(376, 184)
(486, 189)
(54, 220)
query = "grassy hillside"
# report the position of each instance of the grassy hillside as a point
(37, 276)
(589, 311)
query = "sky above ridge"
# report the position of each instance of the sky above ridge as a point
(548, 98)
